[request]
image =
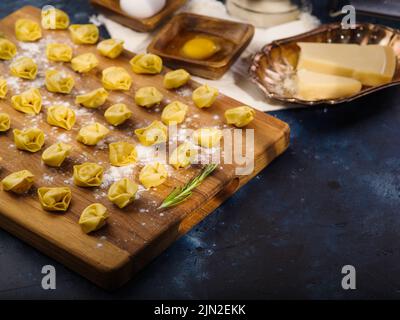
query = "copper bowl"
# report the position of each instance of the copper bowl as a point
(275, 65)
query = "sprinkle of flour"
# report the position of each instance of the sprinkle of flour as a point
(48, 178)
(64, 138)
(116, 173)
(184, 92)
(150, 154)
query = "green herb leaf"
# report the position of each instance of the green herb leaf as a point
(181, 194)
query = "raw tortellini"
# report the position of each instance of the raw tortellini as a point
(146, 63)
(84, 33)
(111, 48)
(27, 30)
(3, 88)
(117, 114)
(88, 174)
(155, 133)
(31, 139)
(153, 175)
(7, 49)
(29, 101)
(175, 79)
(148, 97)
(122, 192)
(122, 153)
(59, 81)
(18, 182)
(182, 156)
(204, 96)
(207, 137)
(116, 78)
(93, 217)
(92, 134)
(239, 116)
(53, 18)
(24, 67)
(5, 122)
(93, 99)
(55, 155)
(175, 112)
(84, 62)
(55, 199)
(59, 52)
(61, 116)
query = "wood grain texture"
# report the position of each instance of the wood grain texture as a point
(114, 12)
(134, 235)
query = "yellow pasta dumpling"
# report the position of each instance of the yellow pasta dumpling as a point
(182, 156)
(117, 114)
(122, 153)
(92, 99)
(84, 62)
(122, 192)
(31, 139)
(93, 217)
(53, 19)
(7, 49)
(146, 63)
(88, 174)
(18, 182)
(155, 133)
(175, 79)
(84, 33)
(61, 116)
(29, 101)
(3, 88)
(175, 112)
(27, 30)
(111, 48)
(204, 96)
(59, 52)
(55, 199)
(153, 175)
(207, 137)
(148, 97)
(59, 81)
(240, 116)
(55, 155)
(5, 122)
(116, 78)
(24, 67)
(92, 134)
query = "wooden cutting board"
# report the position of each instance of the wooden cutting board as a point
(135, 235)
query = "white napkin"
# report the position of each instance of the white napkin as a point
(235, 83)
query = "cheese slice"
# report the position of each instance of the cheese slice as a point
(372, 65)
(313, 86)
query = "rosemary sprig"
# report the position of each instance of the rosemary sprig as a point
(181, 194)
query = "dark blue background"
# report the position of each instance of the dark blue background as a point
(332, 199)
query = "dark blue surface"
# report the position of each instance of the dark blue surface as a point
(332, 199)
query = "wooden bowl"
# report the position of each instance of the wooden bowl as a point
(114, 12)
(277, 61)
(232, 37)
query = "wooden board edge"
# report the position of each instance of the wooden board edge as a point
(207, 208)
(110, 276)
(212, 204)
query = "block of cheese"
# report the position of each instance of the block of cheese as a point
(311, 86)
(372, 65)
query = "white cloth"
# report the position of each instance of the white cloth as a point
(235, 83)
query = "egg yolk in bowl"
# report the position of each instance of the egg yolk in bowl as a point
(199, 48)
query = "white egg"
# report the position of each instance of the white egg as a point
(142, 9)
